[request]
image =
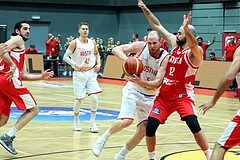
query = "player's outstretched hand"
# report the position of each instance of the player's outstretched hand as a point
(47, 74)
(205, 107)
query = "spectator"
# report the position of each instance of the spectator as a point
(135, 37)
(205, 46)
(52, 53)
(230, 49)
(148, 31)
(213, 57)
(31, 50)
(118, 43)
(110, 45)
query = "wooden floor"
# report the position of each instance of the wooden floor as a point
(56, 140)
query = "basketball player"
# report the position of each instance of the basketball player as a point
(85, 61)
(230, 136)
(176, 92)
(14, 91)
(137, 97)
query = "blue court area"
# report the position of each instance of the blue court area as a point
(65, 114)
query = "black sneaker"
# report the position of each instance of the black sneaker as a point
(6, 142)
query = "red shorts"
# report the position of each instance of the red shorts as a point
(231, 135)
(14, 92)
(162, 109)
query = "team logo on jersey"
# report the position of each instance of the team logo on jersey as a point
(156, 110)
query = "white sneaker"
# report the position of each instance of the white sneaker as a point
(64, 73)
(98, 146)
(70, 73)
(76, 126)
(93, 128)
(119, 157)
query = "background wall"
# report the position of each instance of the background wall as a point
(121, 18)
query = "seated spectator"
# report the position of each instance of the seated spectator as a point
(31, 50)
(213, 57)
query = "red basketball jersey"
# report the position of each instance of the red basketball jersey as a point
(179, 77)
(18, 58)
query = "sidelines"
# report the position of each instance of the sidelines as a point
(65, 114)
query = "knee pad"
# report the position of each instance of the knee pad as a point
(152, 126)
(77, 105)
(94, 103)
(192, 123)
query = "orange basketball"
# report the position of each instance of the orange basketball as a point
(132, 65)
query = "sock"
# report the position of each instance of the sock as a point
(12, 132)
(93, 117)
(152, 155)
(107, 134)
(124, 151)
(208, 153)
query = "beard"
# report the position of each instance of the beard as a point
(181, 42)
(24, 38)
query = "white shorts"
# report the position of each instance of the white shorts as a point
(133, 100)
(85, 83)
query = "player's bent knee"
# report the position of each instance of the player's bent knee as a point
(192, 123)
(152, 126)
(126, 123)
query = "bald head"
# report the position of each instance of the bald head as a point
(153, 35)
(191, 29)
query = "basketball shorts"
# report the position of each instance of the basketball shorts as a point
(162, 109)
(132, 101)
(85, 83)
(14, 92)
(230, 136)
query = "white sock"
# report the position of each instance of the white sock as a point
(152, 155)
(93, 117)
(107, 134)
(208, 153)
(12, 132)
(124, 151)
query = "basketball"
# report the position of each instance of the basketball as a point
(132, 65)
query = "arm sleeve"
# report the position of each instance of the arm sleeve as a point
(66, 58)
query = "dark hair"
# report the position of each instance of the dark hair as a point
(136, 35)
(200, 38)
(149, 29)
(32, 46)
(83, 23)
(18, 26)
(212, 53)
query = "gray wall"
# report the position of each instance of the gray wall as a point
(215, 19)
(120, 22)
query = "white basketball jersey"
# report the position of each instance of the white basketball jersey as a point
(84, 53)
(150, 69)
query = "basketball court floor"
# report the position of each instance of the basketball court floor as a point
(50, 135)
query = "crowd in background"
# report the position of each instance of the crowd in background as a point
(54, 49)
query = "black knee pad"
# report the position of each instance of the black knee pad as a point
(192, 123)
(152, 126)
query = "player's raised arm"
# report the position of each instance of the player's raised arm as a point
(156, 25)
